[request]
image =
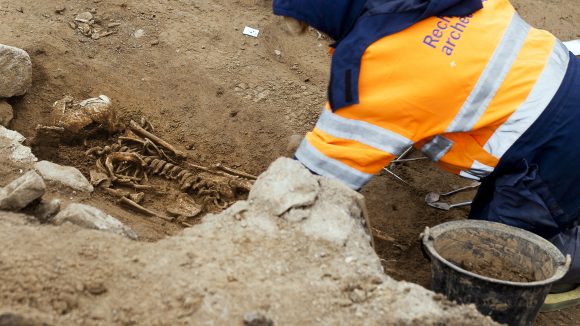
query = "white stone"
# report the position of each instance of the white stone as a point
(138, 33)
(10, 143)
(46, 210)
(16, 71)
(21, 192)
(337, 214)
(66, 175)
(84, 17)
(6, 113)
(11, 134)
(92, 218)
(320, 207)
(285, 185)
(21, 154)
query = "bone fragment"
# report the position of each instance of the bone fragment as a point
(235, 172)
(142, 210)
(146, 134)
(208, 170)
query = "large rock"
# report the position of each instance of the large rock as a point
(11, 144)
(6, 114)
(292, 187)
(66, 175)
(289, 190)
(14, 136)
(92, 218)
(46, 210)
(21, 192)
(15, 70)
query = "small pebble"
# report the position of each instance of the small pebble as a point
(138, 33)
(96, 288)
(84, 17)
(257, 319)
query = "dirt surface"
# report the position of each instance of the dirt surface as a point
(204, 85)
(227, 97)
(255, 259)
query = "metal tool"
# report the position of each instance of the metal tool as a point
(434, 197)
(447, 206)
(410, 159)
(396, 176)
(402, 159)
(403, 155)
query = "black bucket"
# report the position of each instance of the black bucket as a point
(506, 272)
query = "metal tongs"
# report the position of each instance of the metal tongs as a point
(432, 198)
(402, 159)
(446, 206)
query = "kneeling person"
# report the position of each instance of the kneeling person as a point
(469, 83)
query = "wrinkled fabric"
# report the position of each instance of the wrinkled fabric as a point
(536, 185)
(425, 8)
(381, 19)
(333, 17)
(519, 199)
(338, 17)
(569, 243)
(543, 163)
(356, 24)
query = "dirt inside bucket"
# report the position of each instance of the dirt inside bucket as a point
(496, 268)
(495, 255)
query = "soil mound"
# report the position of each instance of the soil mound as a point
(295, 253)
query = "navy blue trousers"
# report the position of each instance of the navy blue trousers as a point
(536, 185)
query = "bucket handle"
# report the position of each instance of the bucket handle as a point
(567, 262)
(423, 237)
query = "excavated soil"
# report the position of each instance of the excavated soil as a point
(221, 96)
(255, 259)
(496, 271)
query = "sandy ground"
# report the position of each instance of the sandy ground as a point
(254, 258)
(228, 97)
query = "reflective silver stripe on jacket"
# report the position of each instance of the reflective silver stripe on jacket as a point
(328, 167)
(437, 148)
(492, 77)
(477, 171)
(524, 116)
(363, 132)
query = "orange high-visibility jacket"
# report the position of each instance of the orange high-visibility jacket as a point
(462, 90)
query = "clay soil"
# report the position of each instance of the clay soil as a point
(496, 270)
(222, 96)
